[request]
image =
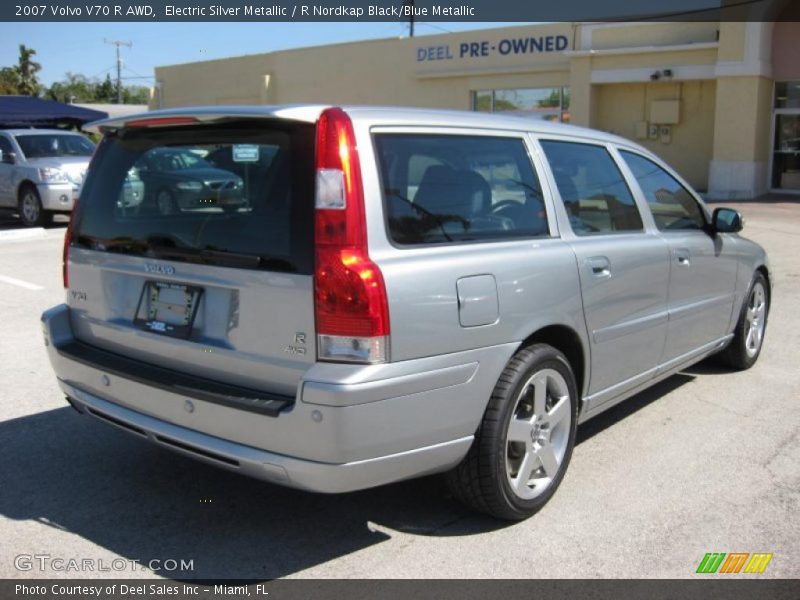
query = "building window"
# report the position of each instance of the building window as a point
(548, 104)
(786, 143)
(787, 94)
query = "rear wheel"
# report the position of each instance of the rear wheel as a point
(31, 212)
(524, 444)
(748, 337)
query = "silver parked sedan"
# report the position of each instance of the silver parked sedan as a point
(403, 292)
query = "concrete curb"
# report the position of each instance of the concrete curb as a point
(32, 233)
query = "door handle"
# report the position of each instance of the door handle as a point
(682, 256)
(599, 265)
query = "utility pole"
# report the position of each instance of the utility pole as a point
(119, 43)
(410, 3)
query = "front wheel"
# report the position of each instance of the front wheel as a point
(166, 203)
(748, 337)
(524, 443)
(31, 212)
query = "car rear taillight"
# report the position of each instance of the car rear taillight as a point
(67, 242)
(350, 303)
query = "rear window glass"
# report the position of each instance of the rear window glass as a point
(239, 196)
(448, 188)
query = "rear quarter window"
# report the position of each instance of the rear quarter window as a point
(458, 188)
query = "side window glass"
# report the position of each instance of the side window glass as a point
(5, 148)
(673, 207)
(417, 166)
(592, 188)
(453, 188)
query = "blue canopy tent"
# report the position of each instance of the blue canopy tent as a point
(26, 111)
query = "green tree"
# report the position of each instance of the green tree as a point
(106, 91)
(9, 81)
(73, 88)
(136, 94)
(27, 68)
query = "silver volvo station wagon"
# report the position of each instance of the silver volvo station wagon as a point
(337, 298)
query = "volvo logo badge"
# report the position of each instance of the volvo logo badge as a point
(159, 269)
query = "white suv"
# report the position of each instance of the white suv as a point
(41, 171)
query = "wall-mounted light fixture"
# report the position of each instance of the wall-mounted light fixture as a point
(665, 73)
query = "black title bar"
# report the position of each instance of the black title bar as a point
(383, 10)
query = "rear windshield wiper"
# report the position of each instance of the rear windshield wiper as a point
(204, 255)
(120, 245)
(224, 256)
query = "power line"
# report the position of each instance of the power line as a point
(118, 43)
(436, 27)
(696, 11)
(136, 74)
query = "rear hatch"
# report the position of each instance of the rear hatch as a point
(212, 273)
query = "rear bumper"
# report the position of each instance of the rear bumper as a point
(269, 466)
(350, 427)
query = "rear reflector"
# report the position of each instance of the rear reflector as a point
(350, 302)
(67, 243)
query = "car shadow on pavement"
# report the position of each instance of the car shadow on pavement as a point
(8, 220)
(143, 503)
(630, 406)
(710, 366)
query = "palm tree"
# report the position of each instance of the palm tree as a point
(27, 69)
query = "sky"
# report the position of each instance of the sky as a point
(80, 48)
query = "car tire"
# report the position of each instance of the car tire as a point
(165, 202)
(748, 336)
(31, 211)
(524, 443)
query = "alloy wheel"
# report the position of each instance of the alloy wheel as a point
(755, 319)
(30, 207)
(538, 433)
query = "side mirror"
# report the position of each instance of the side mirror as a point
(9, 158)
(727, 220)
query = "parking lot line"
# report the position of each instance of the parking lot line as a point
(20, 283)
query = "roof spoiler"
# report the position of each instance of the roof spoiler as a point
(306, 113)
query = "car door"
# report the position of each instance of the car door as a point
(702, 265)
(6, 173)
(623, 266)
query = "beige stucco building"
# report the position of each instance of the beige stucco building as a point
(719, 101)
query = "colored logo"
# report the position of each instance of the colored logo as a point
(734, 562)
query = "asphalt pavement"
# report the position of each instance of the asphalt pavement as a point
(706, 461)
